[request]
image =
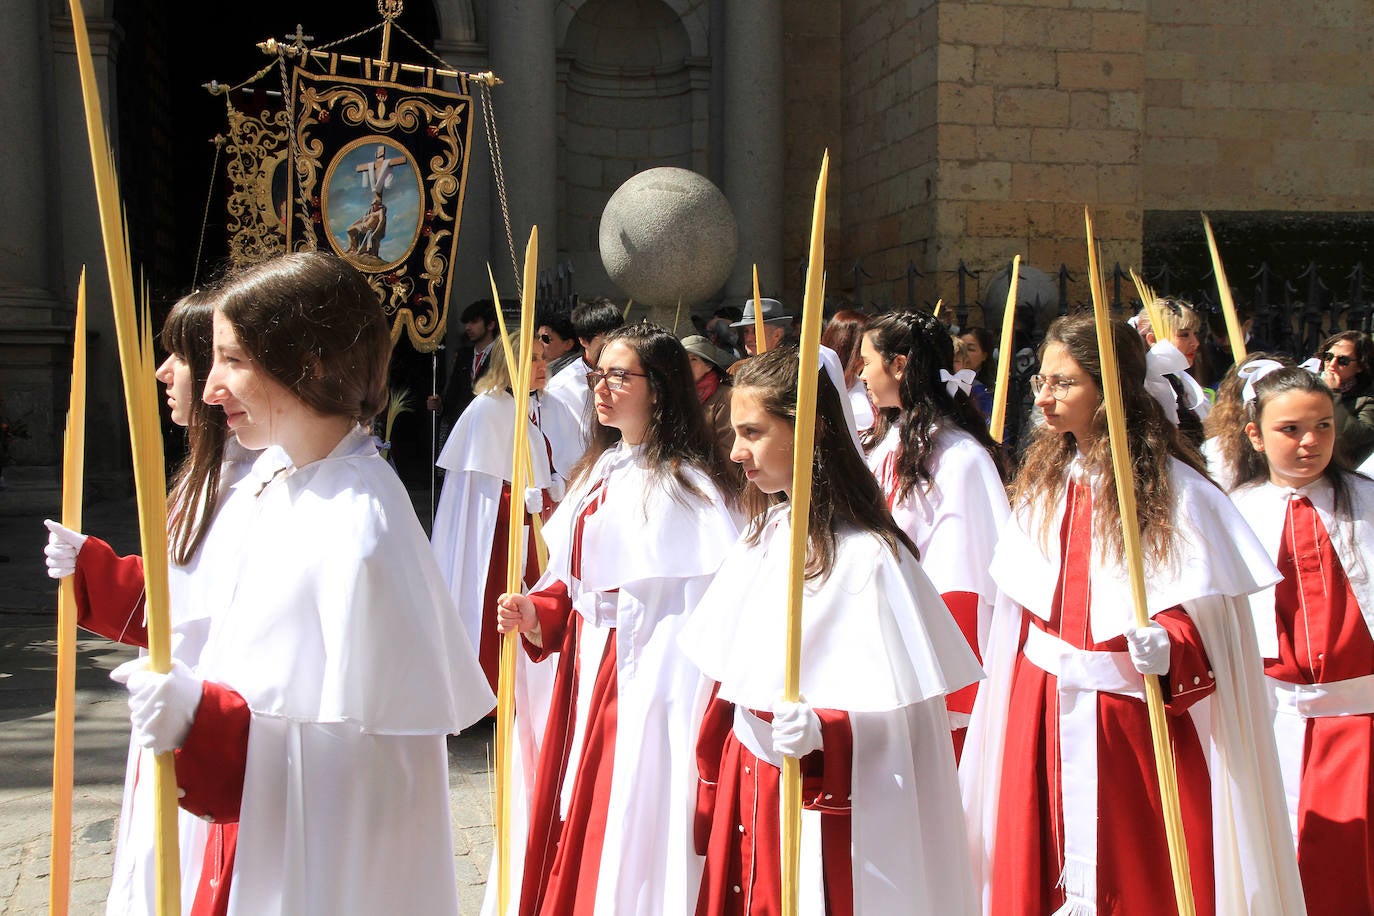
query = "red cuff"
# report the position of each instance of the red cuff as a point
(211, 763)
(553, 607)
(1190, 673)
(826, 773)
(109, 593)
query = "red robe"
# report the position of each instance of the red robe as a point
(738, 826)
(1132, 853)
(489, 650)
(1324, 638)
(563, 856)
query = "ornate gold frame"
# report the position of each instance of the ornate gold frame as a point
(415, 302)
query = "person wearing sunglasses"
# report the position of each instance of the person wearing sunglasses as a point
(561, 346)
(1347, 359)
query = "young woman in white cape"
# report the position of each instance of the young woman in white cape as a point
(312, 737)
(645, 524)
(1314, 517)
(1058, 774)
(109, 589)
(939, 470)
(882, 826)
(470, 524)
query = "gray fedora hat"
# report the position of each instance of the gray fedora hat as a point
(772, 313)
(702, 348)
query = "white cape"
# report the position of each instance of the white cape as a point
(341, 637)
(647, 559)
(954, 522)
(477, 461)
(877, 642)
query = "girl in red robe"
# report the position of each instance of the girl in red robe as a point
(1058, 772)
(646, 522)
(881, 830)
(1314, 627)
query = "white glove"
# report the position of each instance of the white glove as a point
(161, 706)
(1149, 648)
(534, 500)
(558, 487)
(796, 729)
(63, 546)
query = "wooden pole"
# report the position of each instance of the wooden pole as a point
(760, 341)
(803, 447)
(64, 713)
(1130, 530)
(1228, 304)
(505, 690)
(997, 422)
(137, 362)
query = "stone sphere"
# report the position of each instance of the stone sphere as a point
(668, 236)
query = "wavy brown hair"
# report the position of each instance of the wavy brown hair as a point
(1151, 438)
(1229, 414)
(188, 334)
(844, 493)
(677, 435)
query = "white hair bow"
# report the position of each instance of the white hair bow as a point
(1313, 365)
(1164, 359)
(1253, 372)
(958, 381)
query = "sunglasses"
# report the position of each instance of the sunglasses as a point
(1342, 361)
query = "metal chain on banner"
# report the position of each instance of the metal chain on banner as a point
(499, 172)
(219, 142)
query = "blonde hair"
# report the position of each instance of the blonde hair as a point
(497, 375)
(1174, 315)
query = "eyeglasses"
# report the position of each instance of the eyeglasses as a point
(545, 338)
(614, 378)
(1341, 361)
(1059, 385)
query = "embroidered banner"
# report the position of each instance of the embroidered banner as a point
(256, 164)
(381, 171)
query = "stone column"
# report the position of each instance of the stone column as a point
(522, 49)
(753, 139)
(26, 296)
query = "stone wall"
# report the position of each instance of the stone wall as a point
(1040, 113)
(1265, 105)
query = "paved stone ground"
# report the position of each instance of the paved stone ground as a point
(27, 677)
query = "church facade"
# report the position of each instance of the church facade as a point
(959, 131)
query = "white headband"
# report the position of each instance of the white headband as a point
(1253, 372)
(958, 381)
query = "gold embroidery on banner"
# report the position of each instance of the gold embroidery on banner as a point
(257, 208)
(415, 303)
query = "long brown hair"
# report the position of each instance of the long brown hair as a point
(928, 348)
(844, 493)
(1151, 438)
(677, 435)
(188, 335)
